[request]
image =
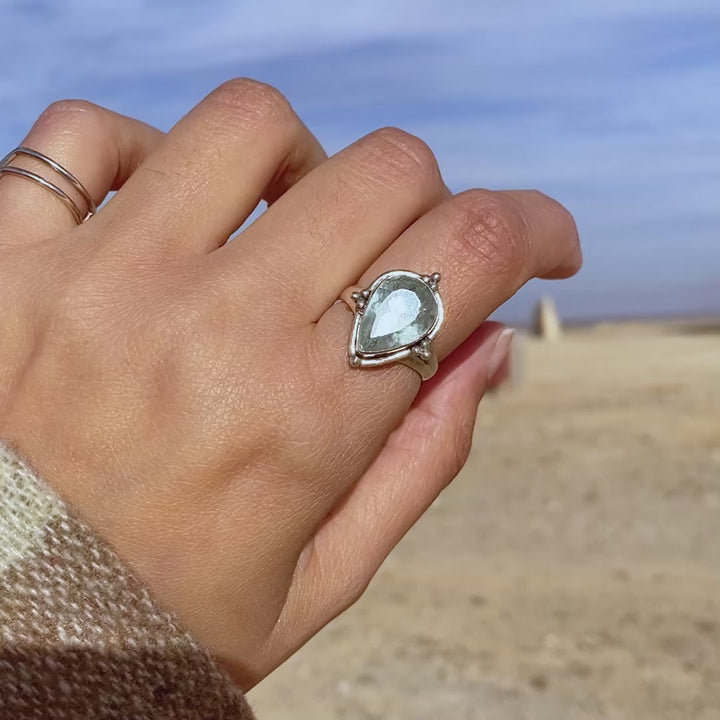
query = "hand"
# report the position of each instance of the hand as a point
(192, 398)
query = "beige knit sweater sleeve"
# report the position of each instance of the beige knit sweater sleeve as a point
(80, 637)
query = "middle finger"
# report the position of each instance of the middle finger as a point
(325, 231)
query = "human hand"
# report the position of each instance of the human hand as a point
(192, 398)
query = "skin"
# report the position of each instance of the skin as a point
(192, 399)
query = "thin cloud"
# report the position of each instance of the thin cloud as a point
(606, 105)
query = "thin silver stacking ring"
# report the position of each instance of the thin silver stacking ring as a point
(7, 169)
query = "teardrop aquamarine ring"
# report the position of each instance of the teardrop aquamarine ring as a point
(396, 319)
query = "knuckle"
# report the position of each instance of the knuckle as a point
(460, 449)
(352, 588)
(345, 583)
(72, 113)
(251, 99)
(444, 438)
(407, 155)
(490, 231)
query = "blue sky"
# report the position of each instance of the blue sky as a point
(612, 107)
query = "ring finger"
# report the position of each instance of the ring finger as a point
(99, 147)
(485, 245)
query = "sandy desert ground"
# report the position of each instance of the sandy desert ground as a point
(572, 571)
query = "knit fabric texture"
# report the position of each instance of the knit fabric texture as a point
(80, 637)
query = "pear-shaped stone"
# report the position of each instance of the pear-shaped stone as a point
(401, 310)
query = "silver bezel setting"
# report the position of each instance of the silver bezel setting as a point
(420, 350)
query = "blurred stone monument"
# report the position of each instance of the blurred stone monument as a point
(546, 321)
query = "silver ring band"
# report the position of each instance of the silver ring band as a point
(396, 320)
(72, 206)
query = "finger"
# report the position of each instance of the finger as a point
(241, 144)
(322, 234)
(99, 147)
(485, 245)
(418, 461)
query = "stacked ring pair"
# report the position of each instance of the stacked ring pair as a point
(7, 169)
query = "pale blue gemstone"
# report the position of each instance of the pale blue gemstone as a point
(401, 311)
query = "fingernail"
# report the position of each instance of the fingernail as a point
(502, 345)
